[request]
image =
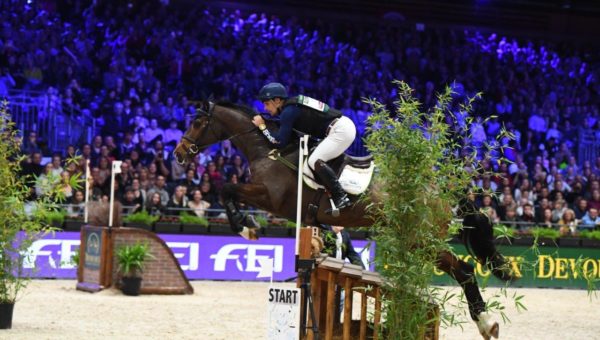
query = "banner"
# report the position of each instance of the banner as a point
(549, 267)
(205, 257)
(201, 257)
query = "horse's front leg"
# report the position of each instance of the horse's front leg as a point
(254, 194)
(464, 274)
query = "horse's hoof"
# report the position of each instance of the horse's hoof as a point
(252, 223)
(487, 329)
(249, 233)
(495, 330)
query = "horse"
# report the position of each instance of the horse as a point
(273, 188)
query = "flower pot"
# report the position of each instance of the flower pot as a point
(167, 227)
(547, 242)
(56, 224)
(73, 225)
(140, 225)
(6, 314)
(190, 228)
(221, 229)
(569, 242)
(277, 231)
(590, 243)
(523, 240)
(131, 285)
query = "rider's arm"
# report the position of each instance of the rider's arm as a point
(282, 137)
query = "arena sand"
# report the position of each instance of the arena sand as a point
(53, 309)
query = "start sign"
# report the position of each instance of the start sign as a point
(283, 313)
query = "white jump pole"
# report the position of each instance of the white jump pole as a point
(87, 191)
(303, 151)
(116, 169)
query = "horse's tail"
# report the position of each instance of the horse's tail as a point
(477, 235)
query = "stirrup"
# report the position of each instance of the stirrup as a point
(335, 210)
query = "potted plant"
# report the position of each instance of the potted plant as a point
(142, 220)
(545, 236)
(590, 238)
(131, 259)
(193, 224)
(279, 230)
(22, 220)
(523, 238)
(219, 226)
(55, 218)
(168, 224)
(73, 223)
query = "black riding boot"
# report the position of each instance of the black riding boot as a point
(330, 181)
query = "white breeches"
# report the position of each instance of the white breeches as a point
(340, 137)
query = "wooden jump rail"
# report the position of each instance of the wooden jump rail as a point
(328, 279)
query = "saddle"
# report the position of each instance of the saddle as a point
(354, 173)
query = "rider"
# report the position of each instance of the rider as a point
(315, 118)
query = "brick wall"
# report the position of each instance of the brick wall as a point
(162, 274)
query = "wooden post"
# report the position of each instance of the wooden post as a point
(347, 308)
(363, 315)
(330, 306)
(377, 317)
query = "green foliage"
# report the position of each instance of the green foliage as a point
(55, 217)
(131, 258)
(550, 233)
(261, 220)
(591, 234)
(186, 218)
(141, 217)
(290, 224)
(502, 231)
(419, 178)
(75, 258)
(21, 221)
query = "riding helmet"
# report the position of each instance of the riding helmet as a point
(272, 90)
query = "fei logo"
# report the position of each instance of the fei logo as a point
(57, 253)
(251, 253)
(186, 252)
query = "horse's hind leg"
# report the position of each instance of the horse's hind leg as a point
(464, 274)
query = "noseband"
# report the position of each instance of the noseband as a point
(193, 147)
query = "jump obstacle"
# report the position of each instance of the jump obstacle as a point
(97, 268)
(328, 279)
(328, 276)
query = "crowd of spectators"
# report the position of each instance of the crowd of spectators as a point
(133, 67)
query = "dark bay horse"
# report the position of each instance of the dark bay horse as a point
(273, 188)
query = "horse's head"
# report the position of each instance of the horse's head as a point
(199, 135)
(214, 123)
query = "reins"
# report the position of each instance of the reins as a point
(194, 148)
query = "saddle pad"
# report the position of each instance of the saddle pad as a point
(354, 181)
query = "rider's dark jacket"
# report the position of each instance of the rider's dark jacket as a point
(306, 119)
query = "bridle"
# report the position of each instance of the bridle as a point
(193, 148)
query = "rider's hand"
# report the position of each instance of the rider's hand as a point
(258, 120)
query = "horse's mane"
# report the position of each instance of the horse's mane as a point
(244, 108)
